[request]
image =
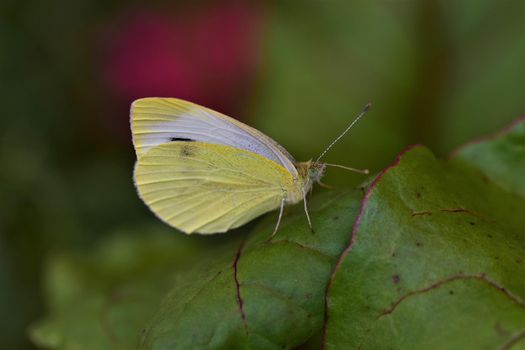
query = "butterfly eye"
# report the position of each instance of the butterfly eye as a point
(313, 173)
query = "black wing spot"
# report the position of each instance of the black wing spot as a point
(174, 139)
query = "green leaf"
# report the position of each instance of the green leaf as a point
(431, 257)
(437, 257)
(264, 294)
(500, 158)
(101, 300)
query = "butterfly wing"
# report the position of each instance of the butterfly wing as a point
(209, 188)
(155, 121)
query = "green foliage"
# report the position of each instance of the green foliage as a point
(264, 294)
(436, 260)
(101, 301)
(431, 257)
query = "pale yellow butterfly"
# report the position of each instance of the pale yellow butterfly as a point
(201, 171)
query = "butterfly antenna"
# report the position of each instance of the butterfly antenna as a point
(360, 171)
(363, 112)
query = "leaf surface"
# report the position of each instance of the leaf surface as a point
(429, 254)
(265, 294)
(437, 253)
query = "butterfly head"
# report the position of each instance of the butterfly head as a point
(316, 171)
(311, 172)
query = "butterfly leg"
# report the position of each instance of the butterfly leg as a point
(306, 211)
(280, 216)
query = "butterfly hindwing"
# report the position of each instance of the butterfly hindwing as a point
(208, 188)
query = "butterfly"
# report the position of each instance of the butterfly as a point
(201, 171)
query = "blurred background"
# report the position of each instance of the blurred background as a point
(437, 72)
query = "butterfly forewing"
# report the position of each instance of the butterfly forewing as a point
(156, 121)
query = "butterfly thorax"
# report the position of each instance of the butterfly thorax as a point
(309, 172)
